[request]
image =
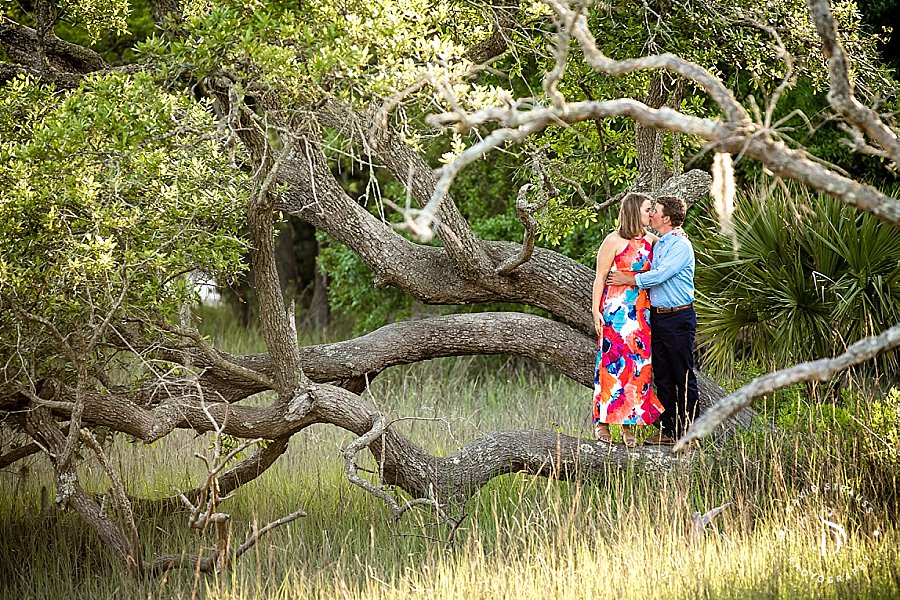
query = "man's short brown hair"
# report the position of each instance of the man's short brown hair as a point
(674, 208)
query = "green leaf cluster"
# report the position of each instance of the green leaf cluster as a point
(108, 195)
(355, 50)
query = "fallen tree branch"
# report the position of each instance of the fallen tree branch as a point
(207, 564)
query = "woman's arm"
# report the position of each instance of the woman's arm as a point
(652, 238)
(605, 256)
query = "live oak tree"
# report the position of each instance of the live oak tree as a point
(119, 182)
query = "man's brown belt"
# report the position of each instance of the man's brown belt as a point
(671, 310)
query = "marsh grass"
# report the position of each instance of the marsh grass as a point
(625, 535)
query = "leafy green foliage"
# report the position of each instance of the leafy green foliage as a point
(108, 194)
(354, 50)
(352, 289)
(883, 420)
(84, 20)
(98, 16)
(808, 277)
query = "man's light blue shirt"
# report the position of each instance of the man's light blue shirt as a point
(671, 278)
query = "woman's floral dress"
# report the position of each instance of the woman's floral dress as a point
(622, 375)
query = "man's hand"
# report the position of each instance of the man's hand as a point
(619, 278)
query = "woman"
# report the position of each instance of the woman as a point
(622, 375)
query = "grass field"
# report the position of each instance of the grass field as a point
(625, 535)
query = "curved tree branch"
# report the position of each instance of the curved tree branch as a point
(720, 94)
(407, 342)
(244, 472)
(816, 370)
(410, 169)
(747, 140)
(840, 94)
(525, 210)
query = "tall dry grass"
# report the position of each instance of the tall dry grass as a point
(625, 535)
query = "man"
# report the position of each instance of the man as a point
(673, 321)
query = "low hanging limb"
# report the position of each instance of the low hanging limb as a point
(222, 560)
(378, 428)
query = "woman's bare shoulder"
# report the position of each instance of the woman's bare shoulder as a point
(614, 237)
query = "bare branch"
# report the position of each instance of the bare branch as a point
(206, 564)
(816, 370)
(118, 493)
(519, 125)
(720, 94)
(378, 429)
(525, 210)
(256, 535)
(18, 454)
(747, 140)
(840, 95)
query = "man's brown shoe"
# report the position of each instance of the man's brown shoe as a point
(660, 439)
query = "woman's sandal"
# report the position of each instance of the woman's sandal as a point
(601, 435)
(628, 439)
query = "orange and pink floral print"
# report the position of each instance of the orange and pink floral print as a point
(622, 375)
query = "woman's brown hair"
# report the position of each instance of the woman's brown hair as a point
(630, 215)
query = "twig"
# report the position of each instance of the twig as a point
(378, 429)
(256, 535)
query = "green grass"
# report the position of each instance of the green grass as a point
(626, 535)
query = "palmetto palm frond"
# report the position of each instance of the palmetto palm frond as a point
(806, 277)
